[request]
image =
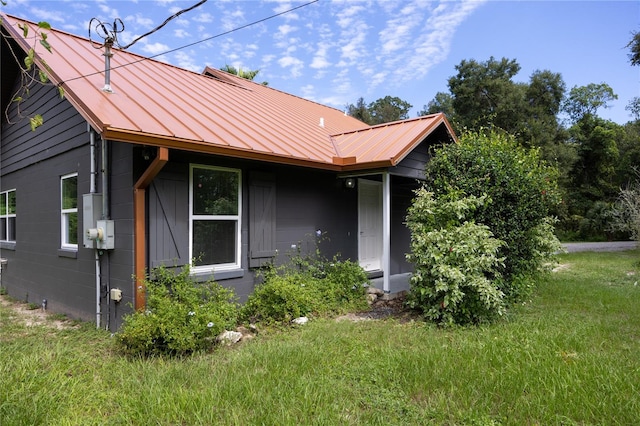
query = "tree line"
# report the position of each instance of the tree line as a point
(595, 157)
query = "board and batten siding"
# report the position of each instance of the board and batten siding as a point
(32, 164)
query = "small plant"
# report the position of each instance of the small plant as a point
(456, 274)
(307, 284)
(181, 316)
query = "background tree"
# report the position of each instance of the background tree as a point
(485, 96)
(634, 46)
(383, 110)
(389, 108)
(587, 100)
(246, 74)
(360, 111)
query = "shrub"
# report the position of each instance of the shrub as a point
(456, 263)
(625, 216)
(522, 189)
(307, 284)
(181, 316)
(282, 298)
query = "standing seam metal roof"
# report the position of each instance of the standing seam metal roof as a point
(159, 104)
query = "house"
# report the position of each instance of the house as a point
(150, 164)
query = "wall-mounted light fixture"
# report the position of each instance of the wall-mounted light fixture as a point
(349, 183)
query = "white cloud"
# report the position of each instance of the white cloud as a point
(433, 47)
(308, 91)
(47, 15)
(203, 18)
(187, 61)
(154, 48)
(294, 64)
(232, 19)
(285, 29)
(138, 19)
(283, 7)
(180, 33)
(320, 60)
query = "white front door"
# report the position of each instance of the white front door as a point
(370, 224)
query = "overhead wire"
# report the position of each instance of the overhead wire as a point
(259, 21)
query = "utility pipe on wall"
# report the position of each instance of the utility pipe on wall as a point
(92, 189)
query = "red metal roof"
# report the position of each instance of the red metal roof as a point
(155, 103)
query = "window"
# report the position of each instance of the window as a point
(8, 215)
(214, 218)
(69, 211)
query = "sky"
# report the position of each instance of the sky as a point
(337, 51)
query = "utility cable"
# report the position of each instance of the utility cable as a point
(195, 42)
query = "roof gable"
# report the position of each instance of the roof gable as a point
(159, 104)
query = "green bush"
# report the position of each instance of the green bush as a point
(307, 284)
(282, 298)
(456, 264)
(181, 316)
(523, 193)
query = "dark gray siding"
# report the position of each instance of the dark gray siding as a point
(119, 268)
(32, 163)
(21, 147)
(413, 165)
(402, 196)
(305, 201)
(168, 214)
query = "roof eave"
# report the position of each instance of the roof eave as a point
(441, 120)
(134, 137)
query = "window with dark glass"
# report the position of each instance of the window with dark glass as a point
(215, 218)
(8, 216)
(69, 211)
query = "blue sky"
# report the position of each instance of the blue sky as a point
(335, 52)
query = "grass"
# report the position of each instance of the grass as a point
(569, 356)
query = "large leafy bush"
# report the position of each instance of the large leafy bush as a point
(523, 193)
(181, 316)
(456, 262)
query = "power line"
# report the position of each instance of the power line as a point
(196, 42)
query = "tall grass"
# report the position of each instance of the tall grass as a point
(569, 356)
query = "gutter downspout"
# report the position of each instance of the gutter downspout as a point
(139, 220)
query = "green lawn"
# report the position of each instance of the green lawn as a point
(569, 356)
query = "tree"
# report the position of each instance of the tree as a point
(246, 74)
(442, 102)
(29, 73)
(389, 109)
(485, 96)
(634, 46)
(359, 111)
(383, 110)
(634, 107)
(587, 100)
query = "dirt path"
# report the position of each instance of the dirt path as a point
(35, 317)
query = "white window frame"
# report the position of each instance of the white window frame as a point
(237, 218)
(7, 215)
(64, 215)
